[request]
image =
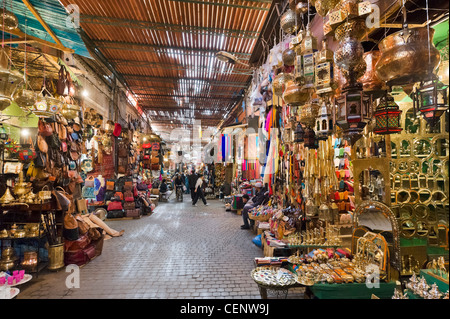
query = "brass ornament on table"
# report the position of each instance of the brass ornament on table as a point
(7, 197)
(9, 260)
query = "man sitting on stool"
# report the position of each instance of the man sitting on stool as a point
(257, 200)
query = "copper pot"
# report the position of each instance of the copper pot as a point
(294, 94)
(405, 57)
(370, 80)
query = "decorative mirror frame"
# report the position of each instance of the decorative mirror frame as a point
(389, 214)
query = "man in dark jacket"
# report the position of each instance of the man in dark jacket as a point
(255, 201)
(192, 181)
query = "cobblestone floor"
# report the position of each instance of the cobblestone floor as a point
(178, 252)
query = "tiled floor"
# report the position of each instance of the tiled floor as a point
(179, 251)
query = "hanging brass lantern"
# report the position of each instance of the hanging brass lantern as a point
(387, 116)
(431, 99)
(9, 80)
(279, 83)
(288, 22)
(288, 57)
(308, 47)
(295, 95)
(308, 113)
(8, 20)
(324, 70)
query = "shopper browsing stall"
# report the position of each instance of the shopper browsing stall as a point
(255, 201)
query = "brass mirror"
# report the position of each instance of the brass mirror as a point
(379, 218)
(408, 228)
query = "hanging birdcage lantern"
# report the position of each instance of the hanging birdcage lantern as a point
(387, 116)
(308, 48)
(324, 70)
(353, 112)
(310, 140)
(324, 123)
(431, 99)
(299, 134)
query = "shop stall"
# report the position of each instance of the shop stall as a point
(355, 137)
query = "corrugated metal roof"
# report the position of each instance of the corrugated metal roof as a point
(165, 51)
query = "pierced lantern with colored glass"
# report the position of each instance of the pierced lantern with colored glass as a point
(299, 133)
(353, 112)
(431, 99)
(387, 116)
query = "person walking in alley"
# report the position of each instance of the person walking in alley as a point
(198, 191)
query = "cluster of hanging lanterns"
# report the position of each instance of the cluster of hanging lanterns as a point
(14, 86)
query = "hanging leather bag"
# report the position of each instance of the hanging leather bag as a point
(44, 128)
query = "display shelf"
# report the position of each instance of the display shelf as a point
(314, 246)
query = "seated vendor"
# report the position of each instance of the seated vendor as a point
(163, 187)
(255, 201)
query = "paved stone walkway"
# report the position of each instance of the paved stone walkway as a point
(179, 251)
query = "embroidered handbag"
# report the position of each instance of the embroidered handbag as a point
(115, 206)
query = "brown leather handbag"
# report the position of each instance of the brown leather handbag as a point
(44, 128)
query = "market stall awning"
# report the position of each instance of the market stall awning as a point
(47, 21)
